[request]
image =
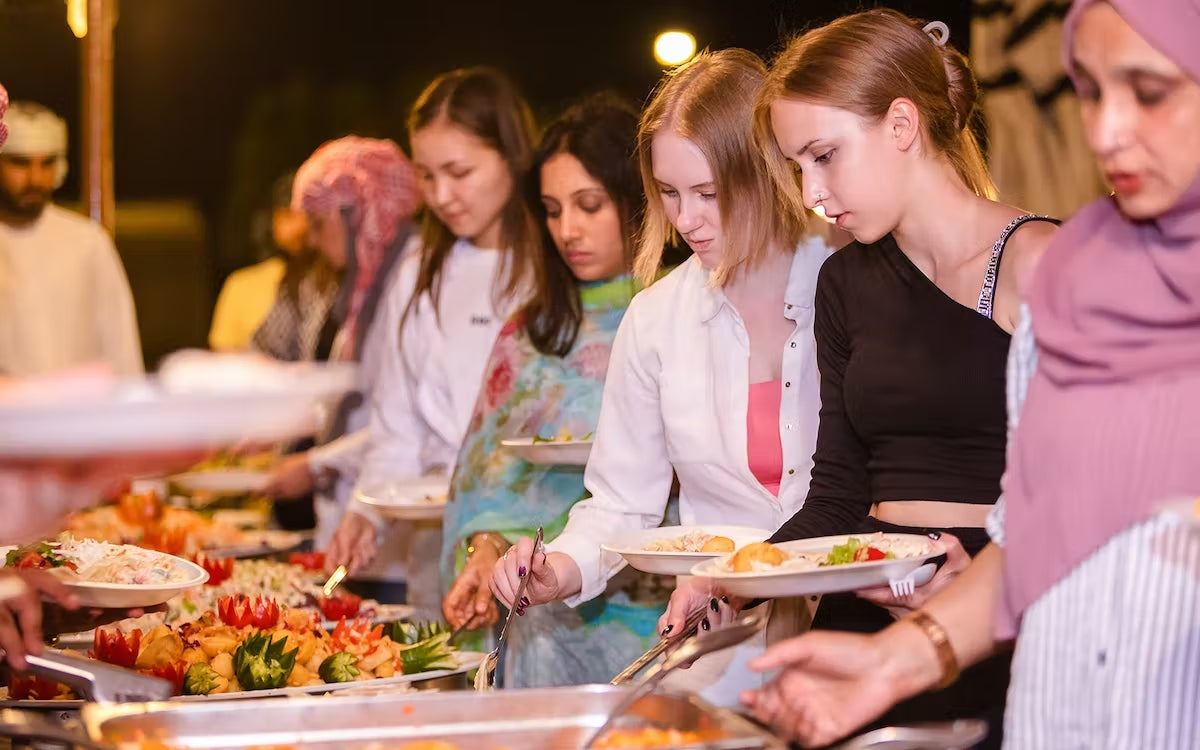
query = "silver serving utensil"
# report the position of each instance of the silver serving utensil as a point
(335, 580)
(736, 632)
(97, 681)
(488, 668)
(690, 628)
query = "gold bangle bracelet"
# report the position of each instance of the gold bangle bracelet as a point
(937, 635)
(494, 540)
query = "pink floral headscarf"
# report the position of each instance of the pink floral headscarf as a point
(374, 179)
(3, 109)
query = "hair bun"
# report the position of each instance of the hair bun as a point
(961, 86)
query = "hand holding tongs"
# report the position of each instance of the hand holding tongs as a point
(690, 628)
(487, 669)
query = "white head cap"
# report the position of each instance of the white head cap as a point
(34, 130)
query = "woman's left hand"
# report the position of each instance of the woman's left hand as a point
(957, 561)
(470, 600)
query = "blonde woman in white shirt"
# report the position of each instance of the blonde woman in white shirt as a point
(472, 139)
(700, 352)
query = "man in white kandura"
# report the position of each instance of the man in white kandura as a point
(64, 298)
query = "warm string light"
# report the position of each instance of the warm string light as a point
(673, 48)
(77, 17)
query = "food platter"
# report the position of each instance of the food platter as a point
(804, 575)
(550, 452)
(173, 575)
(633, 546)
(421, 499)
(260, 543)
(232, 481)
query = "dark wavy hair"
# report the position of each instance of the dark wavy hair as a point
(601, 132)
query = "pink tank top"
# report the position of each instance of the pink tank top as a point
(764, 448)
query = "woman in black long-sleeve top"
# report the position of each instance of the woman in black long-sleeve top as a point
(913, 319)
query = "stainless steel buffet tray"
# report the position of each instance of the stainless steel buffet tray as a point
(540, 719)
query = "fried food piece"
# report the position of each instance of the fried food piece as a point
(759, 552)
(718, 544)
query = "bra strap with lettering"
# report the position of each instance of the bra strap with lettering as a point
(988, 293)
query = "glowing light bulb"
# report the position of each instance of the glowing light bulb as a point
(77, 17)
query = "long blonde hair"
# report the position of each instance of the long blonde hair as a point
(862, 63)
(710, 102)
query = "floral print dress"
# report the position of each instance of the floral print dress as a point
(526, 393)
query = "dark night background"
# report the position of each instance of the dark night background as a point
(214, 98)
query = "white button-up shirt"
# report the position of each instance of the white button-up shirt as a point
(676, 398)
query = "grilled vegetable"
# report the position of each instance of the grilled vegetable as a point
(201, 679)
(261, 663)
(339, 667)
(428, 655)
(408, 633)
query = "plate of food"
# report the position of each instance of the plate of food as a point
(823, 565)
(421, 499)
(117, 576)
(675, 550)
(228, 474)
(260, 543)
(196, 400)
(144, 520)
(563, 449)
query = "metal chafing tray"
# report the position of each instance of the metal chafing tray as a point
(538, 719)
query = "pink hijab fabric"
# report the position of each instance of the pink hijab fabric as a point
(376, 182)
(1111, 422)
(3, 109)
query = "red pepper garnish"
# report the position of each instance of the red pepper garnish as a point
(161, 539)
(339, 607)
(239, 612)
(111, 646)
(219, 569)
(354, 632)
(31, 687)
(867, 554)
(172, 673)
(139, 510)
(308, 560)
(32, 560)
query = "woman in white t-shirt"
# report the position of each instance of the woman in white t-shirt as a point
(713, 376)
(472, 138)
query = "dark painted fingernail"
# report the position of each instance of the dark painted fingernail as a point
(667, 630)
(521, 571)
(704, 624)
(524, 602)
(935, 535)
(714, 605)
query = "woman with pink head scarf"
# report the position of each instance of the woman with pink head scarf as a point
(360, 195)
(1090, 569)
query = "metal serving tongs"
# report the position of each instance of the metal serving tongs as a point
(736, 632)
(486, 678)
(97, 681)
(690, 627)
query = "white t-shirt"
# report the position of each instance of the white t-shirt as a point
(427, 384)
(64, 298)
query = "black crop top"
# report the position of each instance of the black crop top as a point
(912, 393)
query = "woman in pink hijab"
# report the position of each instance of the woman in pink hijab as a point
(1100, 586)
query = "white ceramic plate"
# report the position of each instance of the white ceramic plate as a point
(224, 481)
(412, 500)
(174, 411)
(552, 453)
(131, 595)
(787, 581)
(631, 547)
(260, 543)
